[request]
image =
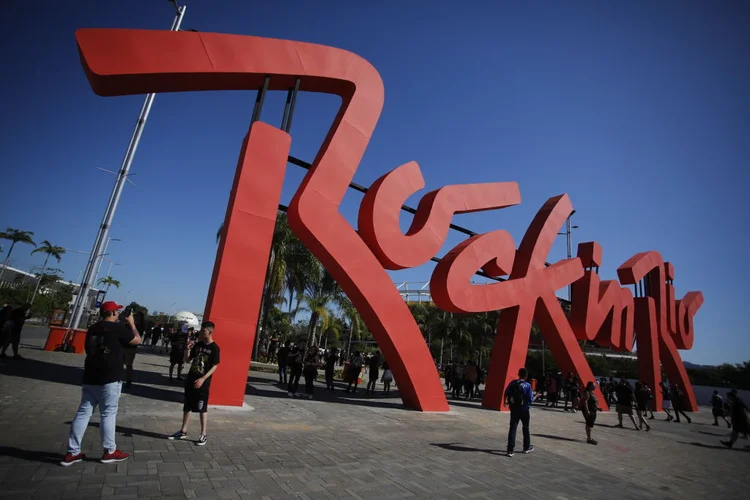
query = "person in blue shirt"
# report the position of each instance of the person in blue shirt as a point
(518, 397)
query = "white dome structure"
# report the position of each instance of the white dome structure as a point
(188, 318)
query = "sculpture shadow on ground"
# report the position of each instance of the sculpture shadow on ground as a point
(267, 388)
(745, 449)
(71, 375)
(456, 447)
(30, 455)
(129, 431)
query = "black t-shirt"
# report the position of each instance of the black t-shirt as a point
(179, 341)
(282, 355)
(204, 356)
(104, 354)
(624, 395)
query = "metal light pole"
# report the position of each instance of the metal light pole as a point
(101, 261)
(114, 198)
(568, 235)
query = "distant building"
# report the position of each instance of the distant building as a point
(15, 278)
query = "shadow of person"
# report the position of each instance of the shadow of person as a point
(557, 438)
(30, 455)
(746, 449)
(455, 447)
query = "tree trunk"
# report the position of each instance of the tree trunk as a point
(39, 282)
(311, 330)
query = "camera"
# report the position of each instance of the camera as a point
(125, 314)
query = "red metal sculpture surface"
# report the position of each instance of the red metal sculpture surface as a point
(120, 62)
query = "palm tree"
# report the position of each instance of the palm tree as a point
(356, 324)
(318, 300)
(16, 236)
(109, 281)
(51, 251)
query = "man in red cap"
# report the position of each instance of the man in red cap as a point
(102, 382)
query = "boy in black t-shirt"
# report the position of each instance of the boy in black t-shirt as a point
(204, 358)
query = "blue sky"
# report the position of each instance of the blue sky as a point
(638, 111)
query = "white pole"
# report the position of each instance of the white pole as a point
(114, 198)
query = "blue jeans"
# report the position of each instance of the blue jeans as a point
(516, 416)
(108, 398)
(282, 374)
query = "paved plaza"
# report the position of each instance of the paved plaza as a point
(338, 446)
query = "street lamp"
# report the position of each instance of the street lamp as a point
(122, 175)
(104, 252)
(568, 235)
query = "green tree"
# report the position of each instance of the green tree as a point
(51, 251)
(318, 301)
(109, 281)
(14, 236)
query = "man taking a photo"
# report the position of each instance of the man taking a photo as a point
(102, 382)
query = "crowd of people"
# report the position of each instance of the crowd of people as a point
(296, 361)
(111, 346)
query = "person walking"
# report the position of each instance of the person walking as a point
(373, 372)
(177, 354)
(666, 401)
(589, 406)
(102, 382)
(310, 370)
(677, 403)
(387, 378)
(717, 409)
(740, 420)
(470, 379)
(641, 405)
(294, 362)
(625, 396)
(330, 360)
(518, 397)
(204, 357)
(281, 357)
(12, 328)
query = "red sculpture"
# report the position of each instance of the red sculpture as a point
(121, 62)
(529, 294)
(601, 311)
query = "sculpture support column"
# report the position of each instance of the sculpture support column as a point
(234, 297)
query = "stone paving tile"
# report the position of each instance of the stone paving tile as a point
(338, 446)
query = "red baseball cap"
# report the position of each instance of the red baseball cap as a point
(110, 306)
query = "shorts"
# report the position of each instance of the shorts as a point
(666, 404)
(590, 419)
(625, 409)
(129, 356)
(177, 357)
(196, 400)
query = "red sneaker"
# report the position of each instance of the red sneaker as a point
(116, 456)
(71, 459)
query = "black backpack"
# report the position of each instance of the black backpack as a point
(516, 398)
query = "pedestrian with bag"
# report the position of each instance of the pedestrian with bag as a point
(518, 397)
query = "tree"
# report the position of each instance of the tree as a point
(318, 300)
(350, 314)
(109, 281)
(15, 236)
(51, 251)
